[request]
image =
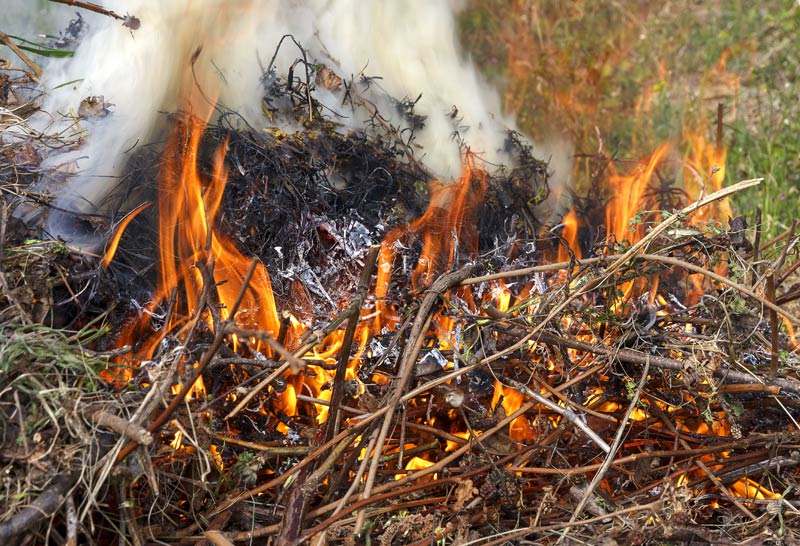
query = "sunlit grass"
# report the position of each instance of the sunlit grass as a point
(630, 75)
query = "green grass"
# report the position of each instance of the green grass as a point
(30, 353)
(640, 73)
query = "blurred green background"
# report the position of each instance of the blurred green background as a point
(637, 73)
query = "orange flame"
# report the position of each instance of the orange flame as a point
(627, 192)
(749, 489)
(113, 244)
(188, 204)
(520, 429)
(570, 235)
(448, 227)
(704, 173)
(415, 463)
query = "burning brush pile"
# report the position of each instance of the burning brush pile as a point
(298, 332)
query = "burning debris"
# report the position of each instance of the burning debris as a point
(308, 337)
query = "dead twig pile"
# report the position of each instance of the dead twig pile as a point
(434, 375)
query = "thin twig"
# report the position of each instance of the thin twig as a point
(778, 264)
(566, 413)
(598, 477)
(773, 323)
(756, 248)
(37, 70)
(127, 20)
(337, 391)
(122, 426)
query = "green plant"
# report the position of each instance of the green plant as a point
(652, 75)
(34, 350)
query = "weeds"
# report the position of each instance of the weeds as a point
(629, 76)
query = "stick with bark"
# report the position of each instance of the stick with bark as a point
(130, 21)
(310, 476)
(416, 337)
(37, 70)
(344, 352)
(42, 508)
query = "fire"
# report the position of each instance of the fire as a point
(511, 400)
(570, 236)
(189, 244)
(627, 192)
(188, 241)
(502, 296)
(704, 173)
(177, 440)
(749, 489)
(415, 463)
(197, 392)
(113, 244)
(448, 228)
(196, 257)
(418, 463)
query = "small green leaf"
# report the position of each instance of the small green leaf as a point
(41, 49)
(57, 53)
(68, 83)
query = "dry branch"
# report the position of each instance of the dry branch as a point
(37, 71)
(121, 426)
(129, 21)
(45, 505)
(337, 392)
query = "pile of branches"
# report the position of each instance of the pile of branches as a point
(583, 407)
(59, 418)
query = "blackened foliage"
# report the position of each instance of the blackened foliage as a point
(507, 216)
(133, 273)
(297, 201)
(405, 108)
(309, 204)
(71, 36)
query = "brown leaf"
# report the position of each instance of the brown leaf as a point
(328, 79)
(464, 493)
(93, 106)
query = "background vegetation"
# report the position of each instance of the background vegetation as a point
(637, 73)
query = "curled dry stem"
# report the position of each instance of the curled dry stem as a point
(409, 357)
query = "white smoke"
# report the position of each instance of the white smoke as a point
(410, 44)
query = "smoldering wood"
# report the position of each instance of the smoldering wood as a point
(334, 194)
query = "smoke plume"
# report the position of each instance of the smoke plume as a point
(410, 45)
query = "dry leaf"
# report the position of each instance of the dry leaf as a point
(328, 79)
(464, 493)
(93, 106)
